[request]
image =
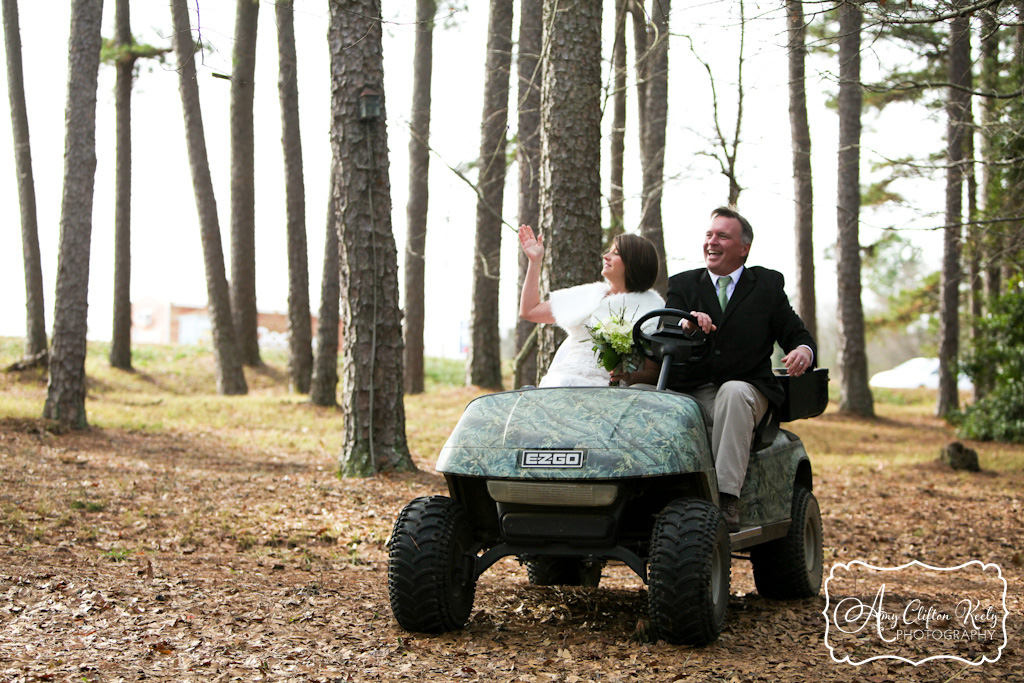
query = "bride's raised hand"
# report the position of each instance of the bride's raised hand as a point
(533, 246)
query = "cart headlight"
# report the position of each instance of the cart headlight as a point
(546, 493)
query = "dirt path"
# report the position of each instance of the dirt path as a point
(128, 557)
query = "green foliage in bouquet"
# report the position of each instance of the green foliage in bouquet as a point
(613, 343)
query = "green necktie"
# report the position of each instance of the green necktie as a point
(723, 294)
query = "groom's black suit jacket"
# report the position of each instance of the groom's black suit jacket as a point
(758, 315)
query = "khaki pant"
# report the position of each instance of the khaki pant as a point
(734, 409)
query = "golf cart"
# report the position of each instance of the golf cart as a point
(568, 479)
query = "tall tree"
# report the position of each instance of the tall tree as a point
(323, 390)
(617, 141)
(959, 54)
(243, 183)
(531, 31)
(65, 392)
(570, 144)
(230, 376)
(300, 349)
(121, 335)
(653, 137)
(35, 315)
(1013, 264)
(803, 188)
(991, 177)
(123, 52)
(416, 208)
(483, 368)
(854, 393)
(371, 365)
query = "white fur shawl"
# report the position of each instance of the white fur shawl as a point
(591, 302)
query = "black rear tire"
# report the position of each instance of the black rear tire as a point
(564, 571)
(689, 572)
(791, 567)
(431, 572)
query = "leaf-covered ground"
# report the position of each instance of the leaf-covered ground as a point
(130, 555)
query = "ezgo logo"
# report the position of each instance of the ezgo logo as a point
(553, 459)
(915, 613)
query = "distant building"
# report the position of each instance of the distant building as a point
(162, 322)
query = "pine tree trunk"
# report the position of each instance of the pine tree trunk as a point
(974, 231)
(371, 366)
(483, 367)
(803, 189)
(991, 178)
(35, 314)
(1013, 265)
(570, 144)
(416, 208)
(65, 393)
(617, 144)
(949, 301)
(641, 54)
(243, 187)
(121, 335)
(323, 389)
(230, 376)
(854, 393)
(653, 141)
(300, 329)
(531, 32)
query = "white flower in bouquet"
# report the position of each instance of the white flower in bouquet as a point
(613, 343)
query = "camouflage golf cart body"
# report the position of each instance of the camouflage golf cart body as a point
(567, 479)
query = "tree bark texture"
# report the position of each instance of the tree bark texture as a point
(121, 335)
(300, 328)
(416, 207)
(949, 302)
(483, 368)
(617, 143)
(975, 234)
(1013, 264)
(230, 376)
(323, 390)
(570, 153)
(371, 365)
(803, 188)
(35, 314)
(65, 392)
(653, 141)
(243, 184)
(531, 32)
(854, 393)
(991, 177)
(640, 68)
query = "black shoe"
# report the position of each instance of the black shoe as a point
(730, 510)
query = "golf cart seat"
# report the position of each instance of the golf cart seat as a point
(806, 396)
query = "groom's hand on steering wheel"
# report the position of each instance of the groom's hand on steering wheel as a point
(703, 322)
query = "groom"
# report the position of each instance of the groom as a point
(746, 310)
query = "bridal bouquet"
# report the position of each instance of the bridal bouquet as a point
(613, 343)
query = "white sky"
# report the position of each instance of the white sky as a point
(167, 261)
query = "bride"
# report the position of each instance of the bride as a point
(630, 269)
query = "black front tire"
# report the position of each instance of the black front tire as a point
(689, 572)
(791, 567)
(564, 571)
(431, 570)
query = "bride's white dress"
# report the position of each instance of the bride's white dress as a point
(575, 363)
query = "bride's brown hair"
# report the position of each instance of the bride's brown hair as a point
(640, 259)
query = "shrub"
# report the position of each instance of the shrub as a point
(996, 362)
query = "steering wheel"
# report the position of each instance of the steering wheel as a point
(669, 344)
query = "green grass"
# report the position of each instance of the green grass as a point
(172, 390)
